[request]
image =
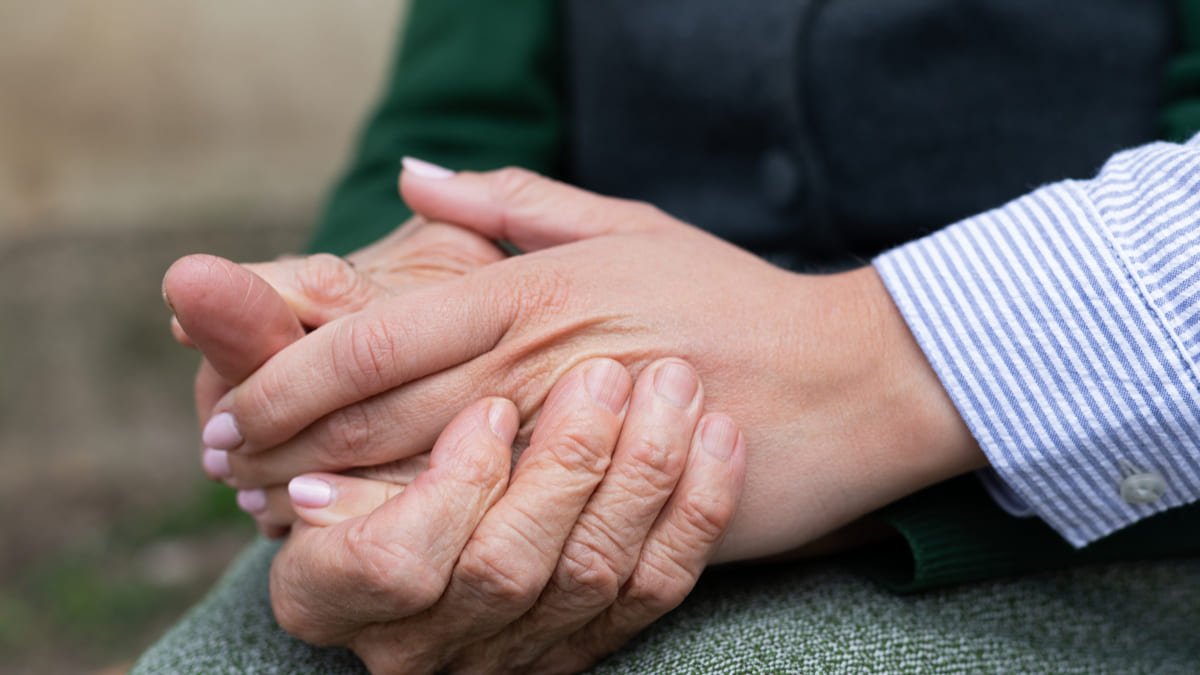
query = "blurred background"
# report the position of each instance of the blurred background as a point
(132, 133)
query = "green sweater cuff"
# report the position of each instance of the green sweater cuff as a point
(954, 534)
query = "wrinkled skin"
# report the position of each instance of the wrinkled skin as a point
(841, 414)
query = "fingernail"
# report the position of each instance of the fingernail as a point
(252, 501)
(604, 382)
(167, 300)
(309, 492)
(718, 437)
(503, 425)
(419, 167)
(215, 463)
(222, 433)
(675, 382)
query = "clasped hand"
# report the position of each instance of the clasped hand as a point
(795, 359)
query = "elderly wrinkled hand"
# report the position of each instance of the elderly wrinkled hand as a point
(238, 316)
(604, 525)
(821, 372)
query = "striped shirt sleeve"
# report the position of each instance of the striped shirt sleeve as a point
(1065, 327)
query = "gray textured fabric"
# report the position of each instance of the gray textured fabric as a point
(1126, 618)
(843, 126)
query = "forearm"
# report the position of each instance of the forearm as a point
(1062, 330)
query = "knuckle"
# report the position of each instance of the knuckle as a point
(391, 569)
(654, 463)
(658, 586)
(537, 290)
(480, 471)
(443, 250)
(511, 184)
(330, 280)
(579, 452)
(703, 517)
(488, 571)
(587, 575)
(369, 344)
(346, 434)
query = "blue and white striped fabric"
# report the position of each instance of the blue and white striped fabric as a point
(1065, 326)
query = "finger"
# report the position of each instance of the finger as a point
(271, 509)
(426, 250)
(516, 205)
(393, 342)
(603, 548)
(323, 499)
(319, 288)
(396, 425)
(234, 317)
(512, 553)
(323, 287)
(208, 388)
(328, 582)
(679, 545)
(180, 336)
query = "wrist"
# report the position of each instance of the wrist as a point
(926, 429)
(860, 418)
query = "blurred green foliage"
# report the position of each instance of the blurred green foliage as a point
(97, 595)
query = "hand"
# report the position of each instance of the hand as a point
(238, 316)
(820, 371)
(608, 519)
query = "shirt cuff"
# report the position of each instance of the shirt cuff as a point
(1003, 495)
(1074, 382)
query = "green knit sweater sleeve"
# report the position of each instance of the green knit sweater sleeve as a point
(954, 533)
(474, 84)
(1181, 114)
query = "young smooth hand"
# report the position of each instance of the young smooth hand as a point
(841, 412)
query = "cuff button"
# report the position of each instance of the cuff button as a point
(1143, 488)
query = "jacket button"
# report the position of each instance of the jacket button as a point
(1143, 488)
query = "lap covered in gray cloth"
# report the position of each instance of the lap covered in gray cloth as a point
(1120, 618)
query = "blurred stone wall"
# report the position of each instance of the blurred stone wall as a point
(135, 114)
(132, 133)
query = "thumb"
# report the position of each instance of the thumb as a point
(531, 211)
(231, 315)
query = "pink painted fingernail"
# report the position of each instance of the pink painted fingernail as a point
(215, 463)
(252, 501)
(719, 436)
(606, 383)
(221, 432)
(423, 169)
(309, 492)
(675, 382)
